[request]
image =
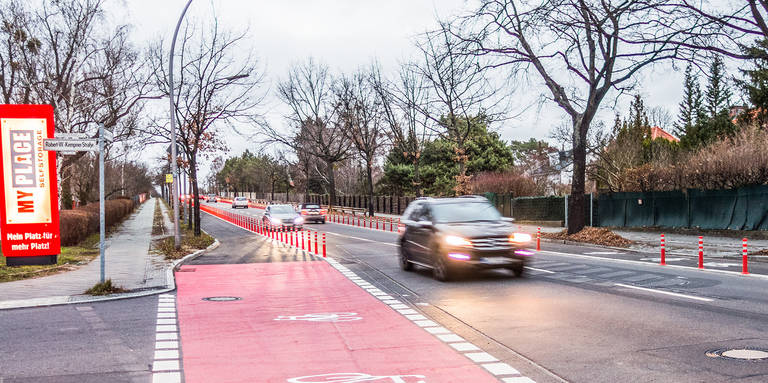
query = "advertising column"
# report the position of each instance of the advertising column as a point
(29, 212)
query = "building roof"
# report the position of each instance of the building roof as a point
(657, 132)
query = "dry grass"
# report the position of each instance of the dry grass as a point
(594, 235)
(512, 181)
(730, 163)
(105, 288)
(189, 244)
(71, 258)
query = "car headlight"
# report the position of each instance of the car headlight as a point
(275, 221)
(520, 238)
(453, 240)
(298, 221)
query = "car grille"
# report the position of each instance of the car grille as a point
(493, 243)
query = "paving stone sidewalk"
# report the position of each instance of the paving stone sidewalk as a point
(128, 264)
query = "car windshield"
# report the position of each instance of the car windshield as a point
(240, 199)
(311, 206)
(464, 212)
(282, 209)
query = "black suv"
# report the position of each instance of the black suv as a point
(445, 234)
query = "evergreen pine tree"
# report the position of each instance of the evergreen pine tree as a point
(691, 113)
(717, 122)
(756, 84)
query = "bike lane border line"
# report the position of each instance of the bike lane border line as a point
(167, 364)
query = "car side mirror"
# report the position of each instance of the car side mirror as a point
(424, 224)
(508, 219)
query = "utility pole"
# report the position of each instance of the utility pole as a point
(174, 166)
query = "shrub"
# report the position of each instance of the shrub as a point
(76, 225)
(504, 182)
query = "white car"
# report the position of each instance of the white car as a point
(240, 202)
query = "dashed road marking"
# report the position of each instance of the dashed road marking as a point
(664, 292)
(502, 371)
(166, 367)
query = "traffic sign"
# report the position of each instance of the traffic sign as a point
(169, 178)
(66, 145)
(71, 136)
(108, 135)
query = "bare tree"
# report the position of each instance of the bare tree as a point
(363, 121)
(660, 116)
(217, 85)
(313, 123)
(581, 50)
(458, 92)
(406, 110)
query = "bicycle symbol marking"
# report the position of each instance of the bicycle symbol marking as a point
(356, 377)
(322, 317)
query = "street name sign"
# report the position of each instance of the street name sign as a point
(108, 135)
(72, 136)
(68, 145)
(28, 191)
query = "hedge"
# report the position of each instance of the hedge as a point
(76, 225)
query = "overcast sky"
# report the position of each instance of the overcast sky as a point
(346, 34)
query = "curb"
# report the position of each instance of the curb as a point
(755, 258)
(77, 299)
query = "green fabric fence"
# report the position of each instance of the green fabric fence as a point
(736, 209)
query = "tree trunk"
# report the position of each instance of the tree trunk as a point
(195, 198)
(576, 201)
(417, 177)
(331, 181)
(369, 173)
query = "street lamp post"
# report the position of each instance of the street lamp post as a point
(174, 166)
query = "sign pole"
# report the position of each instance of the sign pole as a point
(102, 233)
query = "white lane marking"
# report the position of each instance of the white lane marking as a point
(166, 315)
(166, 344)
(449, 338)
(165, 365)
(166, 328)
(362, 239)
(720, 264)
(407, 311)
(464, 346)
(436, 330)
(166, 321)
(500, 369)
(518, 379)
(167, 336)
(479, 357)
(415, 317)
(425, 323)
(541, 270)
(166, 377)
(398, 306)
(604, 253)
(166, 354)
(664, 292)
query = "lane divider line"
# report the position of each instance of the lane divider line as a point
(166, 367)
(501, 370)
(664, 292)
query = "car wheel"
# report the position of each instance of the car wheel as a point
(405, 264)
(441, 269)
(519, 270)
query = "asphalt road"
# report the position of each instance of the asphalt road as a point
(585, 314)
(96, 342)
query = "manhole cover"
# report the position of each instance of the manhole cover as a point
(739, 354)
(222, 299)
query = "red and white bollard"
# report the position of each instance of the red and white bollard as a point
(744, 254)
(316, 252)
(323, 245)
(538, 239)
(701, 252)
(663, 251)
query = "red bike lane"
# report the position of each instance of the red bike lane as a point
(303, 322)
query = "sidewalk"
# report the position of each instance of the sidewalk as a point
(128, 264)
(677, 244)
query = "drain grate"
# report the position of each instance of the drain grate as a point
(747, 353)
(222, 299)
